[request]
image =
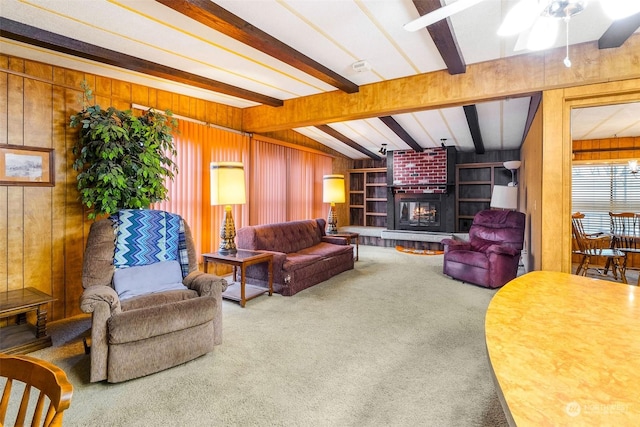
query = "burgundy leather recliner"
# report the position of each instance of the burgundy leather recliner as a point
(490, 258)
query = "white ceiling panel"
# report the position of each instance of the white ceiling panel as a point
(334, 33)
(609, 121)
(326, 139)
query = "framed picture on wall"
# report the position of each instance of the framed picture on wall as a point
(28, 166)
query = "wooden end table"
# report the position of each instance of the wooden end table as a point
(21, 337)
(242, 259)
(350, 238)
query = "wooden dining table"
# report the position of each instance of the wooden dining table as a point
(564, 350)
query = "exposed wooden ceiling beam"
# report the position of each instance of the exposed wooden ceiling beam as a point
(340, 137)
(217, 18)
(443, 37)
(619, 32)
(27, 34)
(471, 112)
(399, 130)
(536, 98)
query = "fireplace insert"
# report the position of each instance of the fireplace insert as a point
(419, 212)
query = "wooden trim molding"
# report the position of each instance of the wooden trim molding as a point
(290, 145)
(515, 76)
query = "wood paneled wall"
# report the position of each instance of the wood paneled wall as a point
(607, 149)
(43, 229)
(557, 159)
(530, 192)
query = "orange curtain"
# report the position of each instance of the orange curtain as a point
(282, 182)
(287, 184)
(268, 190)
(198, 145)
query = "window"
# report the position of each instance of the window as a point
(600, 189)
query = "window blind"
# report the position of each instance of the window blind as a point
(599, 189)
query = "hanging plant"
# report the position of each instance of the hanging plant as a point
(124, 160)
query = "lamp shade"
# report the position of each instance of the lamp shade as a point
(333, 189)
(227, 183)
(504, 197)
(512, 164)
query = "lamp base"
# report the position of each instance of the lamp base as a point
(227, 234)
(332, 220)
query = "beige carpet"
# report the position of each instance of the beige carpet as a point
(391, 343)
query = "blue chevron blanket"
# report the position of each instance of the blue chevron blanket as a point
(145, 237)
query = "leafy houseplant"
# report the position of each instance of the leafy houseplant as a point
(123, 160)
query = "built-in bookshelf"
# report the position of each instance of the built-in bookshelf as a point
(368, 197)
(474, 183)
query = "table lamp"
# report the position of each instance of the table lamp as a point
(332, 192)
(227, 188)
(504, 197)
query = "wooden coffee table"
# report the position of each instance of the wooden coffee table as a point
(242, 259)
(23, 337)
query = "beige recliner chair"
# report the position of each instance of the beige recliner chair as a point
(141, 323)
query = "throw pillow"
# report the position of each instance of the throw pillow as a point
(161, 276)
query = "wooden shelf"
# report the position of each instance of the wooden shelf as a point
(474, 183)
(474, 200)
(368, 189)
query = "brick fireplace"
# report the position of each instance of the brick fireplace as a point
(421, 197)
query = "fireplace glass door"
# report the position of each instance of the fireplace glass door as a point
(419, 214)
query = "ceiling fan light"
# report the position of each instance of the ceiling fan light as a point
(520, 17)
(543, 34)
(619, 9)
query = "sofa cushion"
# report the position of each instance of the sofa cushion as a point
(146, 279)
(296, 261)
(481, 245)
(470, 258)
(324, 249)
(158, 298)
(143, 323)
(287, 237)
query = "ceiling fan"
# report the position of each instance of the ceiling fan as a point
(537, 21)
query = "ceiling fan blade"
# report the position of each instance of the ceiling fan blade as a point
(521, 41)
(520, 17)
(439, 14)
(543, 34)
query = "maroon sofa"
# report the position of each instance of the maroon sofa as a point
(490, 258)
(303, 255)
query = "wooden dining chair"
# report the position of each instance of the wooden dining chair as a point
(625, 233)
(47, 379)
(596, 245)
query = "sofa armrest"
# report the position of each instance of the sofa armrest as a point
(97, 295)
(335, 240)
(455, 245)
(209, 285)
(503, 250)
(205, 284)
(102, 302)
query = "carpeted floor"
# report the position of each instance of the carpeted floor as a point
(393, 342)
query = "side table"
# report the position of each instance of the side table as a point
(21, 337)
(350, 238)
(242, 259)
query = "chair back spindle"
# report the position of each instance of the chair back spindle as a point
(38, 376)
